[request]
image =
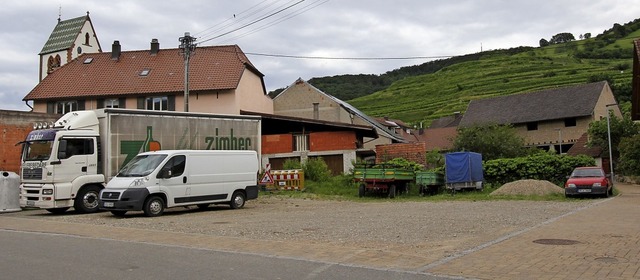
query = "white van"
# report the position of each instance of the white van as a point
(153, 181)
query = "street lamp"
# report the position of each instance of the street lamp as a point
(559, 140)
(609, 137)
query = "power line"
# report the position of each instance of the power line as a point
(286, 17)
(255, 21)
(349, 58)
(236, 18)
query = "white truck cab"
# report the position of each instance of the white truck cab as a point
(153, 181)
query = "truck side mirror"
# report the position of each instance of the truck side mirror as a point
(62, 149)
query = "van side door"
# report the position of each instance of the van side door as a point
(173, 180)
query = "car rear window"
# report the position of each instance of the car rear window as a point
(587, 173)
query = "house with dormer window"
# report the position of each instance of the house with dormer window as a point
(222, 80)
(548, 119)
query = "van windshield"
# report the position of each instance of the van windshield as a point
(141, 166)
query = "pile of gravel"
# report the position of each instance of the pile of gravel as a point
(528, 187)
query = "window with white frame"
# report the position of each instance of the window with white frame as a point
(63, 107)
(112, 103)
(300, 142)
(160, 103)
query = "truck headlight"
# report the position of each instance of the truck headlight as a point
(47, 192)
(597, 184)
(139, 182)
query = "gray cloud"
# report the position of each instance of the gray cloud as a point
(337, 28)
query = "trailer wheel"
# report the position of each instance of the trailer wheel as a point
(154, 206)
(361, 190)
(118, 213)
(392, 191)
(87, 200)
(237, 200)
(57, 210)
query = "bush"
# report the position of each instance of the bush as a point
(629, 162)
(290, 164)
(315, 169)
(404, 164)
(540, 166)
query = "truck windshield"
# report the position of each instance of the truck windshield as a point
(141, 166)
(37, 150)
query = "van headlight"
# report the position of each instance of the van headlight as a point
(139, 182)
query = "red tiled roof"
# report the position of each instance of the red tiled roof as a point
(210, 68)
(581, 148)
(439, 138)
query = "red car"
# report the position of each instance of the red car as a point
(588, 181)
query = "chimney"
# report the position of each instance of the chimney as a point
(155, 46)
(115, 50)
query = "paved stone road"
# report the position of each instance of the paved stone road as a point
(597, 242)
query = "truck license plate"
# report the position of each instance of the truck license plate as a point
(584, 190)
(108, 204)
(31, 203)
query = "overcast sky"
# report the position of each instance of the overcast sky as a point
(307, 28)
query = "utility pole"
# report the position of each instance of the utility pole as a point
(188, 47)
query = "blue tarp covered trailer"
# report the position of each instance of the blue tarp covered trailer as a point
(463, 170)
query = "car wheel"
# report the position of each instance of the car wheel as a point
(153, 207)
(237, 200)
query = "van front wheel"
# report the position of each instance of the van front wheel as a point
(237, 200)
(153, 207)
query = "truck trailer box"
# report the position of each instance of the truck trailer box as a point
(66, 164)
(153, 181)
(463, 170)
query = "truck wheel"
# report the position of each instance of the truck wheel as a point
(87, 200)
(153, 207)
(392, 191)
(237, 200)
(57, 210)
(119, 213)
(361, 190)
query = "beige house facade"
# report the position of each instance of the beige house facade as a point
(303, 100)
(221, 80)
(549, 119)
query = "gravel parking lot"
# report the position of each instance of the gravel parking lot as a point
(439, 228)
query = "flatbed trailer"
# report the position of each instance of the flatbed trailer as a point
(429, 182)
(387, 179)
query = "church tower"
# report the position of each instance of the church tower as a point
(69, 39)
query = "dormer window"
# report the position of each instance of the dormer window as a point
(145, 72)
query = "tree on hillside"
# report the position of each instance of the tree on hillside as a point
(544, 42)
(492, 141)
(587, 35)
(561, 38)
(620, 128)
